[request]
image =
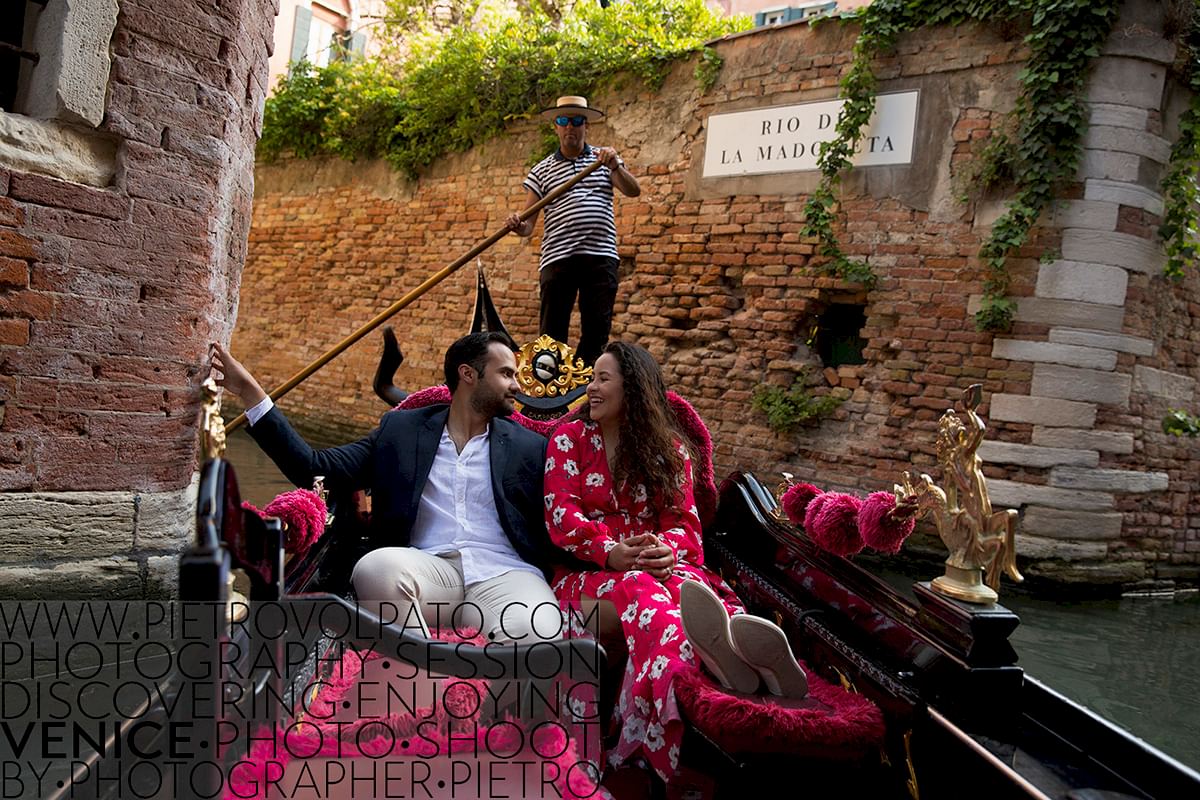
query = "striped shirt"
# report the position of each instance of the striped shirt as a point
(581, 221)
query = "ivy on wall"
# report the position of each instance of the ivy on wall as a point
(1181, 423)
(1178, 229)
(451, 91)
(1050, 118)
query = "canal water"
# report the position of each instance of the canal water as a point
(1134, 661)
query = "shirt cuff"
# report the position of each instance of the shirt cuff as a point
(259, 410)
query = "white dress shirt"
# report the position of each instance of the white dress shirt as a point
(457, 512)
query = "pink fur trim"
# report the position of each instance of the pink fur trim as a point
(451, 733)
(303, 514)
(832, 522)
(829, 723)
(879, 528)
(796, 499)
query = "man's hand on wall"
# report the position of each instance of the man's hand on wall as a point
(229, 373)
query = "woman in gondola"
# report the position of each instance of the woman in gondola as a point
(619, 499)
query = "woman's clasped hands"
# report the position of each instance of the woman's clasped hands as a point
(645, 552)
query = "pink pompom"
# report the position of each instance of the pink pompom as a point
(832, 522)
(303, 513)
(796, 499)
(879, 527)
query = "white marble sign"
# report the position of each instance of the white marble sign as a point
(785, 138)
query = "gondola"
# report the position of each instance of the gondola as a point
(961, 718)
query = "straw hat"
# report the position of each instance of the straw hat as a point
(572, 105)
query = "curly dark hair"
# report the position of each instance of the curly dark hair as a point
(648, 451)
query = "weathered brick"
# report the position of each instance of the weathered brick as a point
(47, 191)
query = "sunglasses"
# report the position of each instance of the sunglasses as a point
(575, 121)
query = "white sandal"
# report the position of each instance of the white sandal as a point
(762, 645)
(706, 623)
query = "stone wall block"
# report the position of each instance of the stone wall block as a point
(1097, 215)
(1119, 442)
(1126, 194)
(1160, 383)
(1027, 455)
(1118, 249)
(1051, 352)
(1059, 523)
(1118, 116)
(1108, 166)
(1051, 311)
(1039, 547)
(1126, 140)
(1048, 411)
(52, 525)
(166, 520)
(108, 578)
(1088, 283)
(1110, 341)
(1012, 494)
(1126, 82)
(1088, 385)
(1111, 480)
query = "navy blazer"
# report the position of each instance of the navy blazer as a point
(394, 460)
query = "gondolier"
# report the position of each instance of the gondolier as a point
(579, 243)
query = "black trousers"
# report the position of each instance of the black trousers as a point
(594, 280)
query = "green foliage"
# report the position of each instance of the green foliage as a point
(708, 68)
(1178, 229)
(788, 409)
(1181, 423)
(1049, 119)
(451, 92)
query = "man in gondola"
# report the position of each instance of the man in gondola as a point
(456, 491)
(579, 243)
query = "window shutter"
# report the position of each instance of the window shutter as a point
(759, 19)
(794, 14)
(300, 33)
(358, 43)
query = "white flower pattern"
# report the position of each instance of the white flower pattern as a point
(651, 728)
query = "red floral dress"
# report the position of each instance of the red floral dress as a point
(586, 516)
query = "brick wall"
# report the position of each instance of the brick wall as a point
(714, 282)
(111, 294)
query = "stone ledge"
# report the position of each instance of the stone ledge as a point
(1028, 455)
(1109, 573)
(1120, 342)
(1117, 249)
(58, 525)
(1085, 385)
(1126, 194)
(1087, 283)
(1011, 494)
(1104, 441)
(166, 520)
(1043, 411)
(1126, 81)
(107, 578)
(1125, 140)
(1104, 165)
(1042, 548)
(1095, 215)
(1059, 523)
(1049, 311)
(1050, 352)
(1118, 116)
(1111, 480)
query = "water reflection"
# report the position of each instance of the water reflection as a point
(1134, 661)
(258, 478)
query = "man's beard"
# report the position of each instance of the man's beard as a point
(487, 403)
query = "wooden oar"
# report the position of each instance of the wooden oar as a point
(430, 282)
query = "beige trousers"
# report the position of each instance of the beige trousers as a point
(429, 591)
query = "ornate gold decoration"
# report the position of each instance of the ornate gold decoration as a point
(914, 791)
(212, 427)
(323, 493)
(784, 485)
(845, 681)
(549, 368)
(979, 539)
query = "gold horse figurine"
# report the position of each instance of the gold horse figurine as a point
(979, 538)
